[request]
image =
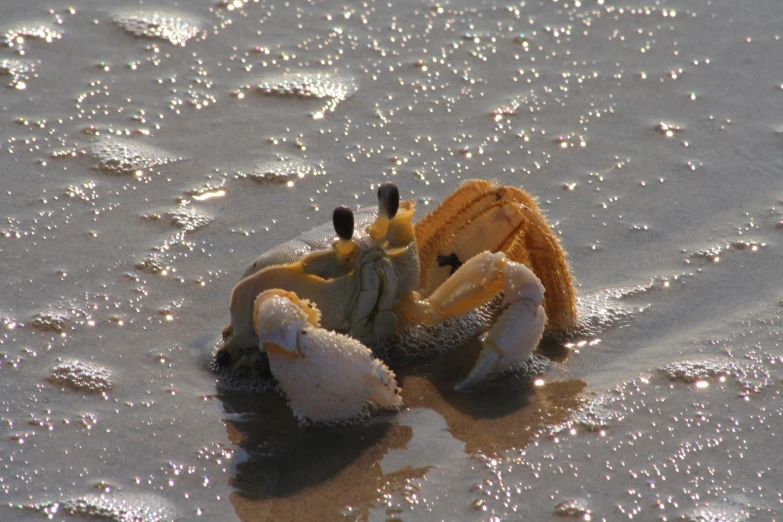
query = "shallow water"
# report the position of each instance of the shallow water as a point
(149, 152)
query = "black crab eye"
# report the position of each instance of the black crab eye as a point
(389, 199)
(342, 217)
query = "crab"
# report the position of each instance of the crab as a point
(309, 311)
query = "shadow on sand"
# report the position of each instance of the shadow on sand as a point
(288, 472)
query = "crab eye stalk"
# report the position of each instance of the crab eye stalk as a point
(342, 218)
(388, 204)
(389, 199)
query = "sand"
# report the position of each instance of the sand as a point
(150, 151)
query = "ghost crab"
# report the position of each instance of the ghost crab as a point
(307, 310)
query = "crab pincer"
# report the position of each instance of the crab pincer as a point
(326, 376)
(514, 335)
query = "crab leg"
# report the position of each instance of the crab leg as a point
(326, 376)
(516, 332)
(483, 216)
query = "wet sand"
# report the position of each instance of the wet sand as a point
(149, 152)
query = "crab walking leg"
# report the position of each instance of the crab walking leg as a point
(326, 376)
(516, 332)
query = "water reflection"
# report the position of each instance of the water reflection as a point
(283, 471)
(495, 417)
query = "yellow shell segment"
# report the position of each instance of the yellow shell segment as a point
(489, 229)
(544, 255)
(480, 216)
(300, 279)
(449, 208)
(401, 231)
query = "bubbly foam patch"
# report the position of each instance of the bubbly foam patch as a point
(123, 156)
(153, 23)
(604, 309)
(17, 72)
(50, 321)
(114, 508)
(188, 218)
(82, 376)
(323, 86)
(284, 171)
(16, 37)
(60, 317)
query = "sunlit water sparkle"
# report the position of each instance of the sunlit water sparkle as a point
(149, 152)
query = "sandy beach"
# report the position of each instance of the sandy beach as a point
(149, 151)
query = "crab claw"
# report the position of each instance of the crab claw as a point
(518, 330)
(326, 376)
(514, 335)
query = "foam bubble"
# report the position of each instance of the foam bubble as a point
(18, 71)
(333, 88)
(284, 170)
(717, 512)
(50, 321)
(207, 191)
(153, 23)
(60, 316)
(668, 129)
(153, 265)
(573, 508)
(82, 376)
(122, 156)
(604, 309)
(16, 38)
(713, 253)
(595, 417)
(85, 192)
(750, 377)
(188, 218)
(115, 508)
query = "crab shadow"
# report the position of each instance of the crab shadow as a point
(493, 399)
(436, 376)
(281, 457)
(282, 469)
(499, 414)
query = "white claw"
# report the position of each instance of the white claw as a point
(326, 376)
(279, 320)
(484, 367)
(517, 331)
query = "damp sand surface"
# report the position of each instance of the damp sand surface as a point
(150, 151)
